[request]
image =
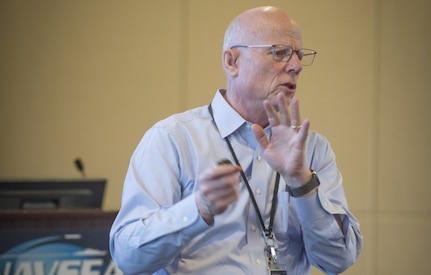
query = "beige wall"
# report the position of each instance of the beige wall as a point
(87, 78)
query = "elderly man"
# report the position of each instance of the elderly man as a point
(274, 204)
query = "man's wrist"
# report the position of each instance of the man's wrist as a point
(204, 210)
(305, 188)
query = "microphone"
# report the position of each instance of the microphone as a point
(80, 166)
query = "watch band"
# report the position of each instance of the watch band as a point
(304, 189)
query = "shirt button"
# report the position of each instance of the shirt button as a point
(258, 261)
(185, 219)
(259, 158)
(258, 191)
(253, 228)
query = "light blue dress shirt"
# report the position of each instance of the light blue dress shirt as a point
(158, 229)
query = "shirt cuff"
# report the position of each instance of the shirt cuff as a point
(189, 218)
(309, 208)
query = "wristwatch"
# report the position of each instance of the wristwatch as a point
(304, 189)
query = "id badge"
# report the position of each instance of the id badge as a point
(277, 272)
(277, 269)
(274, 267)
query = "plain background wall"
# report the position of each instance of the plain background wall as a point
(87, 79)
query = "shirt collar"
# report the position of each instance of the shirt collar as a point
(225, 117)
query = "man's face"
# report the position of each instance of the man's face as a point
(261, 77)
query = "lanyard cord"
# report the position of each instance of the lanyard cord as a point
(266, 230)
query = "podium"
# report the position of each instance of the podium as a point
(39, 242)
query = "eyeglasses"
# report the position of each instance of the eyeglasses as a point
(283, 53)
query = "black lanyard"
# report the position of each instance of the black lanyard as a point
(266, 230)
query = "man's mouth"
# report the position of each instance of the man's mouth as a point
(288, 89)
(290, 86)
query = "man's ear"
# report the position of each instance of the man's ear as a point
(231, 61)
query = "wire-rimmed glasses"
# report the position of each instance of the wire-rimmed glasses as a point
(283, 53)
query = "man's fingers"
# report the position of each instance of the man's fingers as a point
(283, 108)
(260, 136)
(225, 170)
(295, 113)
(217, 188)
(303, 131)
(271, 113)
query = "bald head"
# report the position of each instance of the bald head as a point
(259, 26)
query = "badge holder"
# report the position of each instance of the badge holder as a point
(274, 267)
